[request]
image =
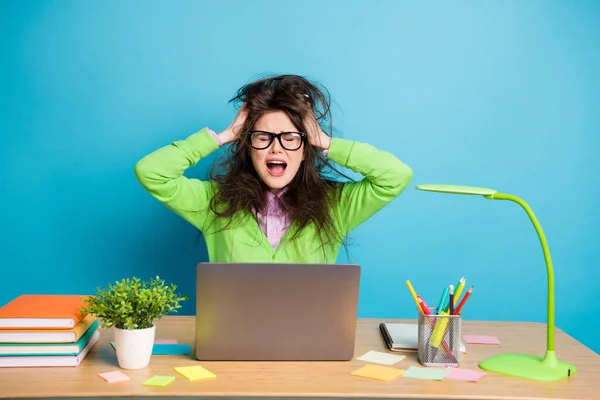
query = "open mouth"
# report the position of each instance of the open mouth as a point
(276, 168)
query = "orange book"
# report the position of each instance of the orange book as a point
(42, 311)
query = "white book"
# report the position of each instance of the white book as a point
(36, 336)
(50, 361)
(47, 349)
(404, 337)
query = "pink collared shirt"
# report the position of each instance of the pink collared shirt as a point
(272, 219)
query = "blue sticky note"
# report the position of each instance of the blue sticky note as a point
(425, 373)
(167, 348)
(171, 348)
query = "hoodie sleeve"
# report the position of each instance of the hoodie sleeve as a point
(161, 174)
(385, 178)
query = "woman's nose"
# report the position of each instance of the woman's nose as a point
(275, 147)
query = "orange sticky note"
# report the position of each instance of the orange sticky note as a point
(378, 372)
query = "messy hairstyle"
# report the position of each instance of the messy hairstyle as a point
(310, 195)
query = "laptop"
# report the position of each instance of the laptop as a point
(276, 312)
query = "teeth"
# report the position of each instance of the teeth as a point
(276, 162)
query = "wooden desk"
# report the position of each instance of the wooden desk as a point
(293, 380)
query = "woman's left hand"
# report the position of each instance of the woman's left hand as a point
(316, 137)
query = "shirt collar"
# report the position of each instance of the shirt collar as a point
(274, 202)
(279, 195)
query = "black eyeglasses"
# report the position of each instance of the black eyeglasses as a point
(260, 140)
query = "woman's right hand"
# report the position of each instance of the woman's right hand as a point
(232, 132)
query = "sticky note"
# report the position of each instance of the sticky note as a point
(166, 341)
(460, 374)
(481, 339)
(380, 358)
(195, 373)
(425, 373)
(378, 372)
(113, 376)
(171, 349)
(167, 348)
(159, 380)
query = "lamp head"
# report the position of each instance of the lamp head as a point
(454, 189)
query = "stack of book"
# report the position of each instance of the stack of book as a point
(45, 331)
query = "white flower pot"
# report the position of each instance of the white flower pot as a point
(134, 347)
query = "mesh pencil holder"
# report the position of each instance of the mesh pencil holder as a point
(439, 339)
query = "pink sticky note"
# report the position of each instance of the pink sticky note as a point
(113, 376)
(481, 339)
(460, 374)
(166, 341)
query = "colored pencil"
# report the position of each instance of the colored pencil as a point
(459, 288)
(451, 299)
(464, 300)
(414, 295)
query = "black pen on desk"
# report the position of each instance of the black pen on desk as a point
(451, 299)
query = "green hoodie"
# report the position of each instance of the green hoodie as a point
(161, 174)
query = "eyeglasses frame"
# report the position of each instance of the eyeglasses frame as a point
(277, 136)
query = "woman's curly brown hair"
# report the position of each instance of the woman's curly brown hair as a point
(310, 195)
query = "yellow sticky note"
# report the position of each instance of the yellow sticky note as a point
(378, 372)
(196, 373)
(159, 380)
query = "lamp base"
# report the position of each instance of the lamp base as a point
(529, 366)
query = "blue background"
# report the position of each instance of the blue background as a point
(494, 94)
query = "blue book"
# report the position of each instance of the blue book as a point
(48, 349)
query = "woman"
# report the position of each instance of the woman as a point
(270, 200)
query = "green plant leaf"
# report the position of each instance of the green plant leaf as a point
(132, 303)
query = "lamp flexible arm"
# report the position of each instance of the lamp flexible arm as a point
(538, 228)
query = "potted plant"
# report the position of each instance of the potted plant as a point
(130, 307)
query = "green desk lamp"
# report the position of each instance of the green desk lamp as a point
(528, 366)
